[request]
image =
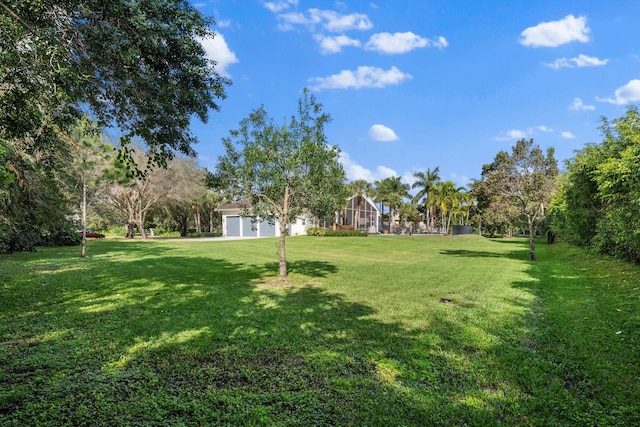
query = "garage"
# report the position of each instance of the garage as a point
(233, 226)
(249, 227)
(235, 223)
(267, 229)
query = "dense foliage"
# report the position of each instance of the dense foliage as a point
(598, 204)
(521, 183)
(325, 232)
(135, 65)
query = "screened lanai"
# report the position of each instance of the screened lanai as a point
(366, 217)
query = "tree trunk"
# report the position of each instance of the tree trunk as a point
(84, 210)
(196, 217)
(532, 240)
(283, 256)
(143, 233)
(183, 225)
(427, 217)
(212, 212)
(283, 234)
(130, 232)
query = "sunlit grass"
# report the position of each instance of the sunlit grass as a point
(385, 330)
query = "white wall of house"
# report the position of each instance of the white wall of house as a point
(235, 225)
(299, 227)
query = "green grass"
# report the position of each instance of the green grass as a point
(381, 331)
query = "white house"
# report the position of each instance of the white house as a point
(236, 224)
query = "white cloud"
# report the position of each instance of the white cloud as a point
(462, 180)
(382, 133)
(335, 44)
(292, 18)
(579, 61)
(335, 22)
(223, 23)
(556, 33)
(356, 171)
(544, 128)
(363, 77)
(567, 135)
(625, 94)
(279, 6)
(578, 105)
(402, 42)
(217, 50)
(559, 63)
(512, 134)
(588, 61)
(329, 20)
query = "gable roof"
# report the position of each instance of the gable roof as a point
(238, 204)
(368, 199)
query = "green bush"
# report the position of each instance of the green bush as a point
(65, 234)
(324, 232)
(205, 234)
(18, 240)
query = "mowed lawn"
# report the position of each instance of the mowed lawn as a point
(377, 331)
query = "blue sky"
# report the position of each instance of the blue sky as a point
(412, 85)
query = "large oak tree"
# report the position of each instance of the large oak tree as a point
(136, 65)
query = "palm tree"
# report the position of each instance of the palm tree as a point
(358, 188)
(426, 181)
(408, 213)
(463, 204)
(396, 191)
(446, 198)
(379, 193)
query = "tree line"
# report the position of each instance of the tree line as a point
(597, 203)
(135, 66)
(71, 68)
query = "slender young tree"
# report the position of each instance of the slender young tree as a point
(285, 169)
(92, 156)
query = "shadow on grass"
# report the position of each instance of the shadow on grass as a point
(586, 369)
(520, 254)
(143, 336)
(306, 268)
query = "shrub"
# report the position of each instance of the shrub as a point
(336, 233)
(205, 234)
(342, 227)
(18, 240)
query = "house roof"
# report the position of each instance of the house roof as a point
(238, 204)
(367, 199)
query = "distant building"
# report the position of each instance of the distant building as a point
(369, 215)
(235, 222)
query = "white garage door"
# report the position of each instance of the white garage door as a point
(233, 226)
(266, 229)
(249, 228)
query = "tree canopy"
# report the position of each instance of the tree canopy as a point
(523, 180)
(136, 65)
(598, 202)
(286, 169)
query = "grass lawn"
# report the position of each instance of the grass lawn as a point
(378, 331)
